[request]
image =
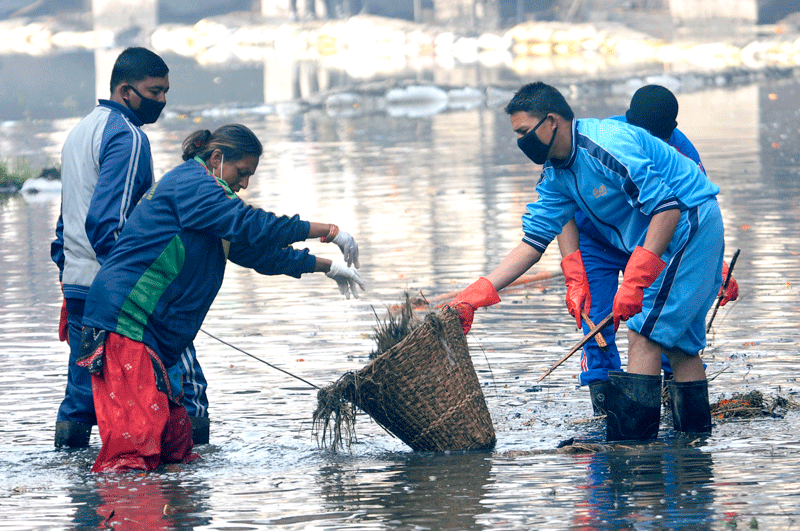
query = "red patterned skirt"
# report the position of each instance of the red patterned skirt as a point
(140, 426)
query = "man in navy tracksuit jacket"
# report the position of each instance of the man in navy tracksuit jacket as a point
(106, 168)
(647, 200)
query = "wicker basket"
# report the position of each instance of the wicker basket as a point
(424, 390)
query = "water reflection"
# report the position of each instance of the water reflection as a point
(134, 502)
(423, 491)
(638, 487)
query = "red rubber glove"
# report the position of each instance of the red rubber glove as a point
(479, 293)
(579, 298)
(642, 270)
(63, 326)
(732, 291)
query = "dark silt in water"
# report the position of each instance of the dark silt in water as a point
(434, 201)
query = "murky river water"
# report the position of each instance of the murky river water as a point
(434, 201)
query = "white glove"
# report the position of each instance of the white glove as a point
(347, 278)
(348, 246)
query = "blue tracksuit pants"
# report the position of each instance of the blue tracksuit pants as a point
(603, 264)
(78, 404)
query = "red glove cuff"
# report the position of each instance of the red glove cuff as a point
(63, 324)
(643, 268)
(579, 297)
(731, 293)
(478, 294)
(572, 266)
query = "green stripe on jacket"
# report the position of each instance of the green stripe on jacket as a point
(148, 290)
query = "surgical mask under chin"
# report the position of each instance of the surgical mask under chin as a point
(535, 149)
(149, 110)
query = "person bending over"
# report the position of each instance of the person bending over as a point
(649, 201)
(655, 109)
(150, 296)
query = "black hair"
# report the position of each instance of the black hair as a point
(135, 64)
(540, 99)
(654, 108)
(235, 141)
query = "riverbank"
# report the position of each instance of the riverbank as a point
(15, 173)
(367, 46)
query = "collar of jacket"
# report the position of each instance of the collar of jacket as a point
(230, 193)
(129, 114)
(567, 163)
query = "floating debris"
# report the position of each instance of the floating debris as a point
(573, 447)
(584, 448)
(750, 405)
(416, 101)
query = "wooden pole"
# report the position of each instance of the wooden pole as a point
(593, 332)
(724, 287)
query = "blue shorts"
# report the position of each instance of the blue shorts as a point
(675, 306)
(603, 264)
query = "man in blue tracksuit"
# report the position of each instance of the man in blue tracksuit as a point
(648, 201)
(106, 168)
(655, 109)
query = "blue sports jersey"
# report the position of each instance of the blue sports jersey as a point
(677, 140)
(620, 176)
(106, 168)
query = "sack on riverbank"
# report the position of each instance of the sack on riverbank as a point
(423, 390)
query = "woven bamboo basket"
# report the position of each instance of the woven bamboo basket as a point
(423, 390)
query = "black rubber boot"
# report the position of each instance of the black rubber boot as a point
(200, 430)
(691, 412)
(633, 406)
(598, 391)
(72, 434)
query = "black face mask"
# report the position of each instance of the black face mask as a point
(149, 110)
(535, 149)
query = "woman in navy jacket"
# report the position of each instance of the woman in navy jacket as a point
(150, 297)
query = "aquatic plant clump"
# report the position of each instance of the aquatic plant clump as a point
(395, 327)
(335, 416)
(750, 405)
(334, 419)
(423, 390)
(12, 175)
(15, 175)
